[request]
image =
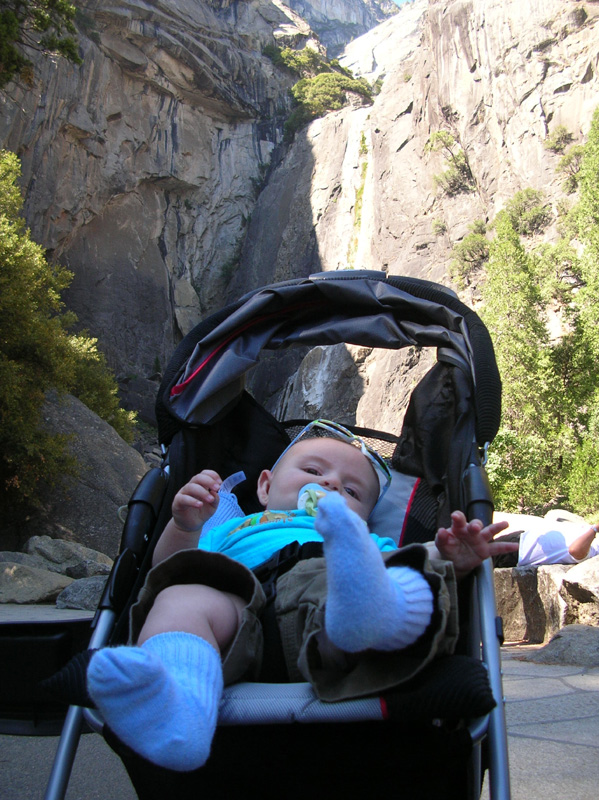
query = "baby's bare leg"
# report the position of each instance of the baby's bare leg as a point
(161, 697)
(201, 610)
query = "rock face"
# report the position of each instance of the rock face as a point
(339, 21)
(357, 188)
(85, 510)
(498, 75)
(536, 603)
(142, 168)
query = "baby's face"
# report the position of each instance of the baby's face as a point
(333, 464)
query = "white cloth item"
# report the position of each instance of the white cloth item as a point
(546, 542)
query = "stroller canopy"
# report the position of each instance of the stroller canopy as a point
(207, 371)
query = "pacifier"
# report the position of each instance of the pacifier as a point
(309, 497)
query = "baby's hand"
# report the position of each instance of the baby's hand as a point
(197, 501)
(468, 544)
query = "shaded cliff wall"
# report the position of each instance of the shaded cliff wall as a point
(141, 166)
(500, 75)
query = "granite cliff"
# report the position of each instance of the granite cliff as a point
(141, 167)
(357, 189)
(157, 169)
(337, 22)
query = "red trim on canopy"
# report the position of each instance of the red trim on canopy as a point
(408, 509)
(179, 387)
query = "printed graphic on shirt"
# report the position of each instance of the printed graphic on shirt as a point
(263, 518)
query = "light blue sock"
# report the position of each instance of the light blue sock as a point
(161, 699)
(368, 606)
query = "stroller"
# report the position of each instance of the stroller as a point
(442, 730)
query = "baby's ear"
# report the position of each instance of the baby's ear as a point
(264, 486)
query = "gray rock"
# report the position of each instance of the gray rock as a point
(87, 568)
(536, 603)
(54, 569)
(576, 645)
(580, 592)
(69, 558)
(529, 602)
(85, 508)
(29, 560)
(83, 594)
(23, 584)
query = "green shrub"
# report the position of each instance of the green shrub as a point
(45, 25)
(458, 177)
(583, 480)
(306, 63)
(471, 253)
(377, 86)
(37, 354)
(274, 53)
(94, 384)
(363, 144)
(558, 140)
(528, 213)
(327, 91)
(569, 164)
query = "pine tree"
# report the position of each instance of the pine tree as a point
(44, 25)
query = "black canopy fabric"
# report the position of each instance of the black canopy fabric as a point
(208, 420)
(364, 308)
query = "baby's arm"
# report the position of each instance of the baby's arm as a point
(468, 544)
(193, 505)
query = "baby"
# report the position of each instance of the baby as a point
(197, 627)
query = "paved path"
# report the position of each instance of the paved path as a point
(553, 729)
(552, 715)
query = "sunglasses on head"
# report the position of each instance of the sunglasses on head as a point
(325, 427)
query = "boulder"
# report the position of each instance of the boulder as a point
(536, 603)
(84, 508)
(54, 570)
(82, 594)
(580, 592)
(69, 558)
(575, 645)
(23, 584)
(28, 560)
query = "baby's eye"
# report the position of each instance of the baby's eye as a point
(351, 492)
(311, 470)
